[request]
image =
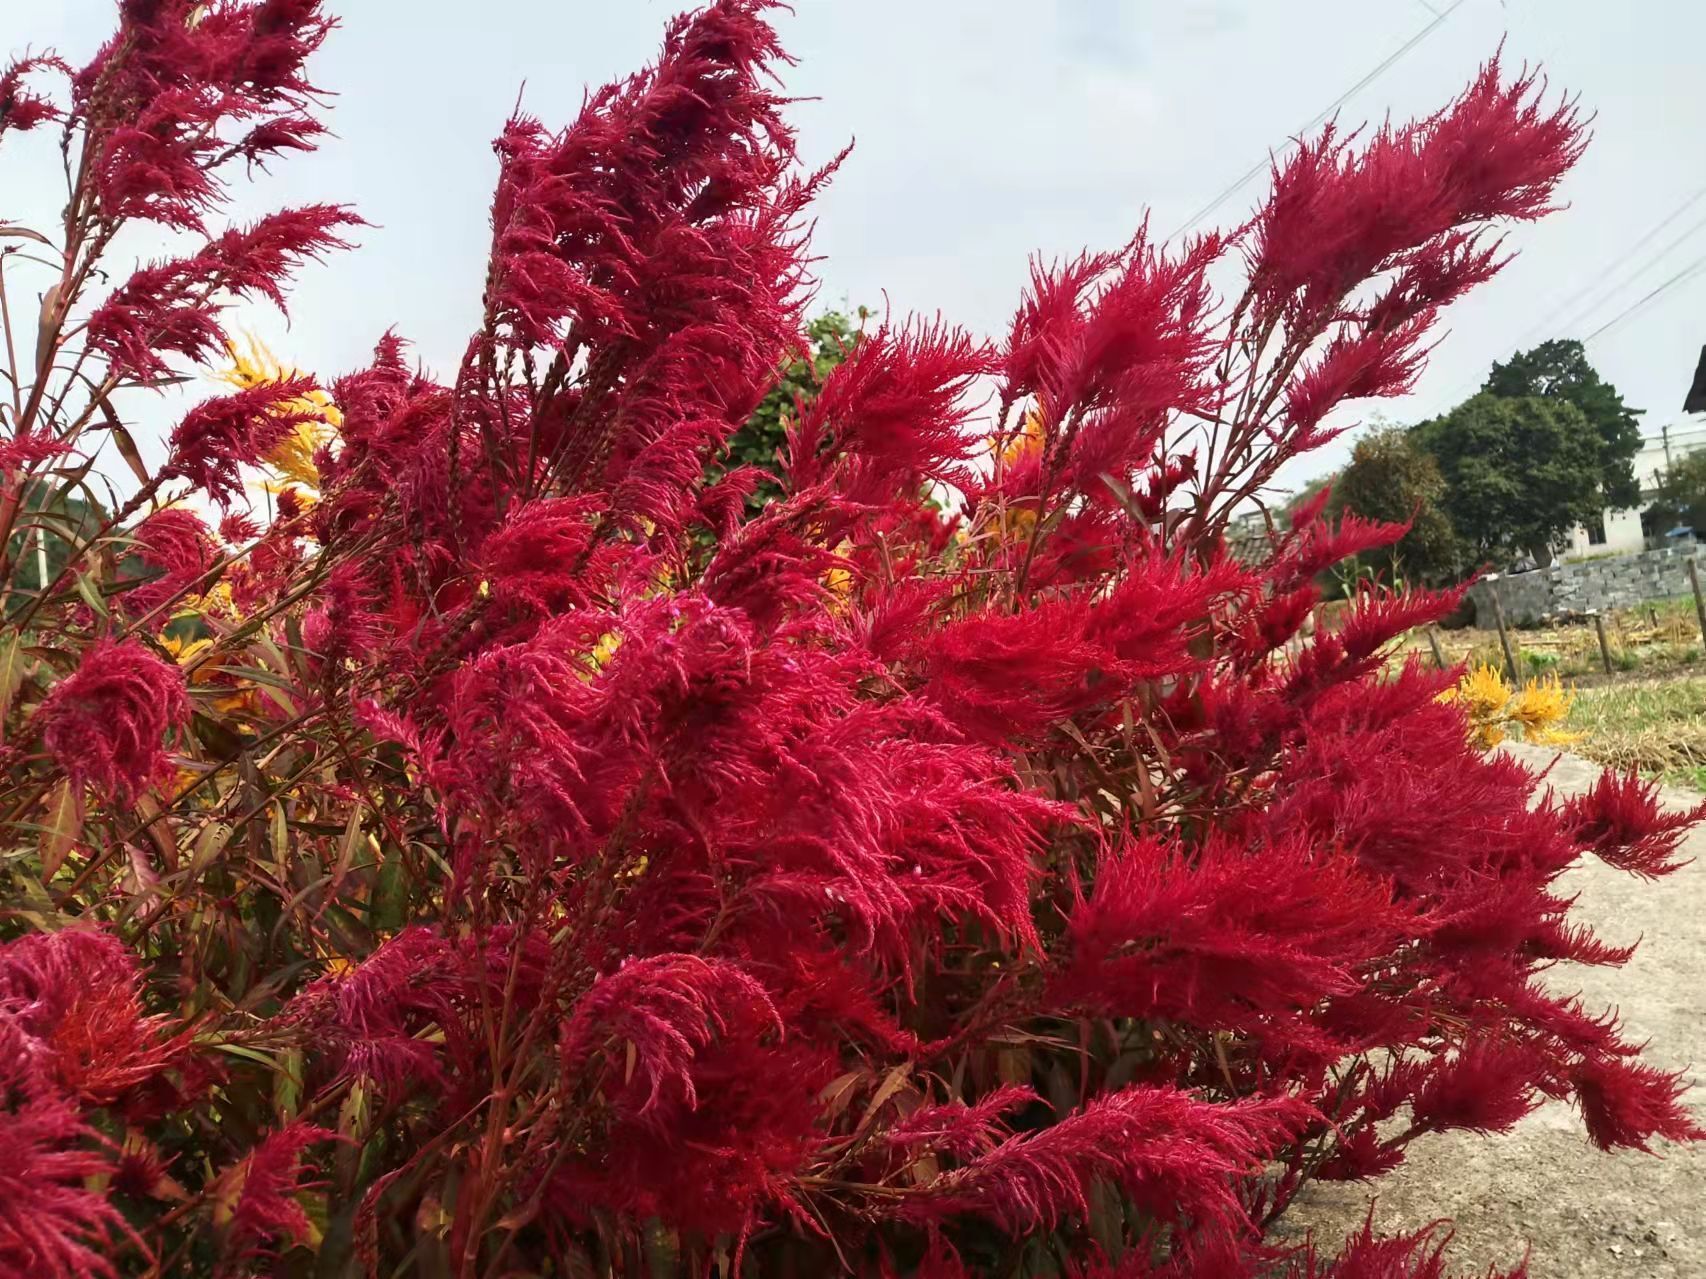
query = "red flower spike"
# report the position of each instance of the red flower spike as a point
(962, 855)
(22, 109)
(76, 995)
(255, 1202)
(1622, 822)
(1627, 1104)
(220, 436)
(51, 1223)
(176, 546)
(106, 723)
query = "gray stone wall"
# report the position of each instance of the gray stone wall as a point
(1616, 581)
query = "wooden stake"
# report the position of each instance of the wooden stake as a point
(1699, 602)
(1504, 634)
(1604, 648)
(1433, 643)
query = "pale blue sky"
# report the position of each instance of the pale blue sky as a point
(986, 129)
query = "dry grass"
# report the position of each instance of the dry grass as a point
(1658, 727)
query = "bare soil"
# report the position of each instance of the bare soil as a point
(1543, 1186)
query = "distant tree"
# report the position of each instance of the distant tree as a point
(1391, 478)
(830, 336)
(52, 525)
(1559, 369)
(1682, 493)
(1518, 472)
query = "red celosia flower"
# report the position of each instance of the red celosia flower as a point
(1339, 212)
(1418, 1255)
(1622, 823)
(51, 1223)
(898, 406)
(708, 1161)
(162, 92)
(255, 1202)
(1174, 1154)
(26, 450)
(665, 1009)
(1230, 938)
(535, 559)
(748, 884)
(20, 109)
(1486, 1087)
(368, 1018)
(75, 996)
(221, 435)
(1628, 1103)
(957, 1129)
(176, 546)
(172, 307)
(106, 723)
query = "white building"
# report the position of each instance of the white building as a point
(1619, 532)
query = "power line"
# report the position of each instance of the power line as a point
(1687, 273)
(1256, 170)
(1582, 314)
(1557, 328)
(1550, 322)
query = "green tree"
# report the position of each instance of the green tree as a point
(1682, 493)
(830, 337)
(1518, 472)
(1559, 369)
(53, 523)
(1391, 478)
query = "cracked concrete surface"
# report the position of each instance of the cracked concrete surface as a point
(1584, 1214)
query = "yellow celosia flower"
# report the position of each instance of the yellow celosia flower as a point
(840, 580)
(184, 651)
(1027, 443)
(293, 458)
(603, 651)
(216, 601)
(1492, 707)
(1542, 705)
(1488, 736)
(1483, 692)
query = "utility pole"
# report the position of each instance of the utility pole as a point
(1664, 434)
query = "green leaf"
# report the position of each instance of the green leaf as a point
(208, 845)
(287, 1085)
(13, 663)
(279, 828)
(246, 1053)
(216, 737)
(126, 445)
(259, 675)
(64, 827)
(347, 844)
(391, 894)
(91, 594)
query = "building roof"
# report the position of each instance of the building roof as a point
(1695, 400)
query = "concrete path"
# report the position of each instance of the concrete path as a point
(1586, 1215)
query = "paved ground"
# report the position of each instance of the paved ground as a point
(1586, 1215)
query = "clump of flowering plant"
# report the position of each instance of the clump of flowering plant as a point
(500, 851)
(1535, 712)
